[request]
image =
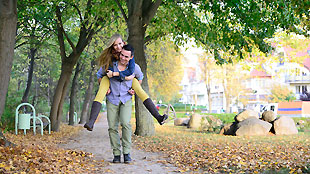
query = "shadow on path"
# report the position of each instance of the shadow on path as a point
(97, 142)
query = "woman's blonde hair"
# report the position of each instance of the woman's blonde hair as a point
(105, 58)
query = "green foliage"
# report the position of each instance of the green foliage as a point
(8, 117)
(303, 123)
(281, 93)
(229, 26)
(225, 117)
(164, 69)
(180, 107)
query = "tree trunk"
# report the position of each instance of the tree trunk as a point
(88, 95)
(59, 96)
(72, 95)
(209, 98)
(30, 74)
(144, 121)
(227, 97)
(8, 21)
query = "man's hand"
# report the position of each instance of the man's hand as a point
(110, 73)
(108, 91)
(131, 91)
(129, 77)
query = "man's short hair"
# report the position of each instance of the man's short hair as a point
(129, 48)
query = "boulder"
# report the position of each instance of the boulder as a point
(214, 122)
(284, 126)
(269, 116)
(229, 129)
(204, 123)
(181, 121)
(253, 126)
(246, 114)
(194, 121)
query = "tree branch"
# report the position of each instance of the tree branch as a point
(21, 44)
(148, 38)
(60, 34)
(150, 12)
(122, 10)
(61, 29)
(79, 12)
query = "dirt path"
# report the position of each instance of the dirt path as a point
(97, 142)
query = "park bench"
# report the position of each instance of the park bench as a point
(23, 120)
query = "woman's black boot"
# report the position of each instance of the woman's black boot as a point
(148, 103)
(95, 109)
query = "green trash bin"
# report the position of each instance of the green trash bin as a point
(24, 121)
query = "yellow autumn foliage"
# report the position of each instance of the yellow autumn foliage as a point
(165, 70)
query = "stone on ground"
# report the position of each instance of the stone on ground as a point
(269, 116)
(181, 121)
(253, 126)
(229, 129)
(285, 126)
(246, 114)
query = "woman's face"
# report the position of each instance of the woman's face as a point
(118, 45)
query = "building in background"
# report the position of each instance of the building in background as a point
(295, 76)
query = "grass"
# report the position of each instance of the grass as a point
(213, 153)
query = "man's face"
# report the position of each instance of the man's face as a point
(125, 56)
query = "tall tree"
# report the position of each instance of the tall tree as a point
(78, 69)
(140, 14)
(90, 21)
(88, 94)
(8, 22)
(218, 25)
(164, 69)
(209, 68)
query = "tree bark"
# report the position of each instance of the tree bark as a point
(144, 121)
(209, 98)
(88, 95)
(72, 95)
(59, 96)
(30, 74)
(8, 22)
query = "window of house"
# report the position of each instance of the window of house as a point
(301, 89)
(298, 90)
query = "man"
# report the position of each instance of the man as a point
(119, 107)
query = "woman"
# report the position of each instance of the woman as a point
(108, 55)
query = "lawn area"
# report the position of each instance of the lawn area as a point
(194, 151)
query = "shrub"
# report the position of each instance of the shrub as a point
(8, 117)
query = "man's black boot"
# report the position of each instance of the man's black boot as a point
(95, 109)
(148, 103)
(117, 159)
(127, 158)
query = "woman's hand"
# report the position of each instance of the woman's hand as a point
(108, 91)
(109, 73)
(131, 91)
(129, 77)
